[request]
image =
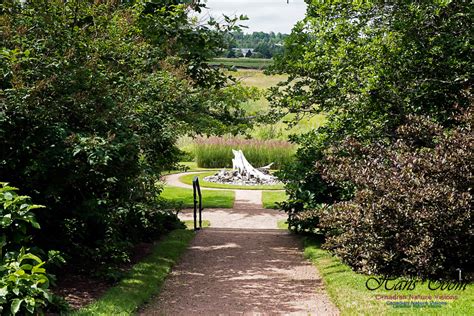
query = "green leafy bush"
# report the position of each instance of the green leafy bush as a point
(16, 218)
(412, 211)
(94, 96)
(216, 152)
(23, 279)
(306, 189)
(23, 284)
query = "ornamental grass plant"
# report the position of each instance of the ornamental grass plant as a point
(216, 152)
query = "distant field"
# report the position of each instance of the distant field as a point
(256, 78)
(249, 63)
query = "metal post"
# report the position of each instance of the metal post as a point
(200, 203)
(196, 193)
(195, 203)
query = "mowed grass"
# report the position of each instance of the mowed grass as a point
(210, 199)
(282, 224)
(257, 78)
(253, 63)
(144, 279)
(190, 224)
(188, 166)
(271, 198)
(348, 291)
(188, 179)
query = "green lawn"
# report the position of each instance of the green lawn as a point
(252, 63)
(210, 199)
(282, 224)
(144, 279)
(257, 78)
(190, 224)
(347, 290)
(270, 198)
(190, 167)
(188, 179)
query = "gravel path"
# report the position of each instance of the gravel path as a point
(238, 218)
(242, 265)
(243, 272)
(173, 179)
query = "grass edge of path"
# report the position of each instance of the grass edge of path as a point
(346, 288)
(190, 223)
(271, 198)
(144, 279)
(210, 198)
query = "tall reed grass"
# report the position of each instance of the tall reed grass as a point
(216, 152)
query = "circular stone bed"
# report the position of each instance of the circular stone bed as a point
(188, 179)
(234, 177)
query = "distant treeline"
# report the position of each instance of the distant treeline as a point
(255, 45)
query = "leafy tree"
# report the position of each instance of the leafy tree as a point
(369, 64)
(238, 53)
(230, 53)
(265, 49)
(94, 96)
(267, 44)
(248, 53)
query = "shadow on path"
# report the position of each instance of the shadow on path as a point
(237, 271)
(242, 265)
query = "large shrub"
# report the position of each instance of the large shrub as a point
(94, 96)
(23, 279)
(412, 210)
(368, 66)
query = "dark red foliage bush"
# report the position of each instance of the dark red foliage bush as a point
(411, 213)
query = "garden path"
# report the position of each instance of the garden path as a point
(173, 179)
(242, 265)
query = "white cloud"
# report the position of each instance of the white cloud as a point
(264, 15)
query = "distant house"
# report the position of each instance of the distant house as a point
(243, 51)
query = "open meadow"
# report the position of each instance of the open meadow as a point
(279, 131)
(248, 63)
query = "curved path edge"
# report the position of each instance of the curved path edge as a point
(173, 179)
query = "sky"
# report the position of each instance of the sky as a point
(264, 15)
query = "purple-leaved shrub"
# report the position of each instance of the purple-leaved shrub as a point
(411, 213)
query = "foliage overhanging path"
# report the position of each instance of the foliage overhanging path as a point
(242, 263)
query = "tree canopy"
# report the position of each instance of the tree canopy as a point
(266, 45)
(94, 96)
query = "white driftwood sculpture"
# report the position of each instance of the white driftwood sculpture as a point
(243, 173)
(245, 169)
